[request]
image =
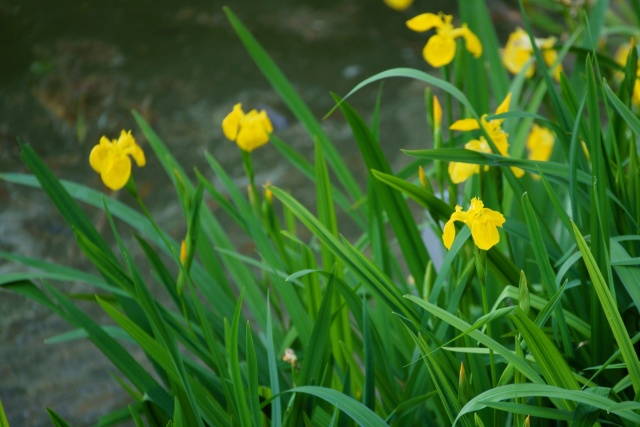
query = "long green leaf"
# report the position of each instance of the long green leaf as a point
(400, 218)
(547, 273)
(513, 391)
(520, 364)
(611, 311)
(233, 359)
(372, 277)
(3, 417)
(354, 409)
(56, 419)
(551, 363)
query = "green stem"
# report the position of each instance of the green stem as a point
(247, 163)
(481, 269)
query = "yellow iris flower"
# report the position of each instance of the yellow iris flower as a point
(460, 172)
(441, 47)
(540, 145)
(111, 159)
(519, 50)
(621, 58)
(482, 221)
(250, 130)
(399, 5)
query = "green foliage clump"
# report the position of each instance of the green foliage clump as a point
(529, 318)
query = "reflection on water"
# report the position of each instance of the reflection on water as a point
(72, 73)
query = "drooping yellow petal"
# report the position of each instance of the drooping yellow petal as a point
(138, 156)
(478, 145)
(485, 234)
(425, 22)
(460, 172)
(499, 138)
(99, 154)
(540, 143)
(465, 124)
(231, 123)
(399, 5)
(448, 234)
(517, 172)
(550, 57)
(127, 145)
(504, 106)
(449, 231)
(252, 137)
(517, 52)
(494, 217)
(472, 42)
(439, 50)
(265, 122)
(116, 171)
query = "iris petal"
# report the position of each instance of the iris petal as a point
(439, 50)
(424, 22)
(504, 105)
(99, 154)
(465, 124)
(472, 43)
(460, 172)
(231, 123)
(485, 234)
(116, 172)
(252, 136)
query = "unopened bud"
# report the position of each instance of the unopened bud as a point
(268, 195)
(183, 252)
(422, 176)
(437, 113)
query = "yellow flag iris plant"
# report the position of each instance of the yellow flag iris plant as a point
(482, 221)
(249, 131)
(111, 159)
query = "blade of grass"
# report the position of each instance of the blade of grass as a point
(56, 419)
(354, 409)
(274, 382)
(400, 218)
(461, 325)
(233, 359)
(551, 363)
(372, 277)
(611, 312)
(3, 417)
(513, 391)
(548, 275)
